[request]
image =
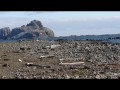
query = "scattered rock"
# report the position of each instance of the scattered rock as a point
(97, 76)
(4, 65)
(67, 76)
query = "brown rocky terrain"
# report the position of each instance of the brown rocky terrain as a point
(62, 59)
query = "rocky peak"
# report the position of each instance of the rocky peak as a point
(4, 32)
(34, 29)
(35, 24)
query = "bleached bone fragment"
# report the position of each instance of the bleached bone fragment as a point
(29, 64)
(75, 63)
(20, 60)
(42, 56)
(61, 59)
(54, 46)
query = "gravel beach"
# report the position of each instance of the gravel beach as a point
(64, 59)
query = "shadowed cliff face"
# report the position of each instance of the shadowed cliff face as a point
(33, 29)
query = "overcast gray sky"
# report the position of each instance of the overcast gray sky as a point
(67, 23)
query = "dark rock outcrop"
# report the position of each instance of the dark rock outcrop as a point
(35, 25)
(34, 29)
(4, 32)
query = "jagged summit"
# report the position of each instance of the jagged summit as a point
(33, 29)
(35, 24)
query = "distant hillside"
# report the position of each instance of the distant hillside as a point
(106, 37)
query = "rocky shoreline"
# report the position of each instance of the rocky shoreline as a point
(64, 59)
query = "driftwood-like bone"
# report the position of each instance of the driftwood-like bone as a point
(74, 63)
